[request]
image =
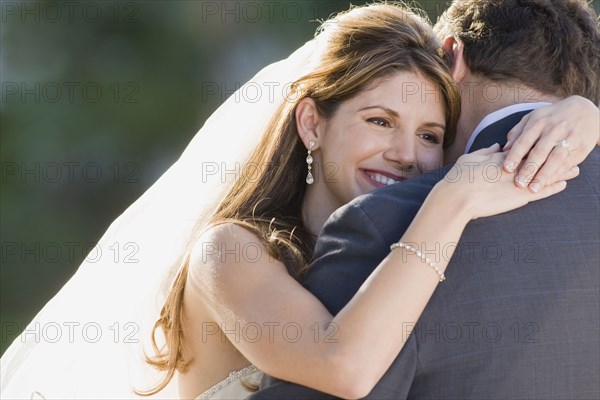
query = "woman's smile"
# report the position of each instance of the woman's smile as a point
(379, 178)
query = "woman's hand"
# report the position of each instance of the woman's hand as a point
(553, 139)
(483, 188)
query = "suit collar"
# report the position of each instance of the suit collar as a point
(498, 115)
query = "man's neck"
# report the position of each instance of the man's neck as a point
(482, 97)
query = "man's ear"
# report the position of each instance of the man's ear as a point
(455, 49)
(308, 122)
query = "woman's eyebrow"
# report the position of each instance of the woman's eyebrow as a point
(386, 109)
(435, 124)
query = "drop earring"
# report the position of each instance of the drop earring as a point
(309, 160)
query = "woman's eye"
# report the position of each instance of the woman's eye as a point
(430, 137)
(379, 121)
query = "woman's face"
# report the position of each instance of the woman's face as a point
(389, 132)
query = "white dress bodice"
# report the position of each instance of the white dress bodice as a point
(232, 387)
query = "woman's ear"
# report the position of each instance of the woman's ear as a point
(455, 50)
(308, 122)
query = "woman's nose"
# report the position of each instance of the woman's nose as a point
(402, 153)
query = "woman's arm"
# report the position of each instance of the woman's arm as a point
(285, 331)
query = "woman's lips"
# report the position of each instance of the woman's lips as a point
(381, 178)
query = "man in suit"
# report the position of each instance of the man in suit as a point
(518, 316)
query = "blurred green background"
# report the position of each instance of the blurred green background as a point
(99, 98)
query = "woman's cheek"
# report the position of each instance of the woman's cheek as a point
(431, 159)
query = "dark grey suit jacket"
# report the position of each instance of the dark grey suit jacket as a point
(517, 317)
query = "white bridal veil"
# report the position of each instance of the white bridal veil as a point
(87, 341)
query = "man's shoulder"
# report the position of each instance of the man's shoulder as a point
(590, 167)
(557, 210)
(534, 267)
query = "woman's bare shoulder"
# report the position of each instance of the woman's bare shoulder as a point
(223, 239)
(228, 253)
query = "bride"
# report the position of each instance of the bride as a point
(372, 104)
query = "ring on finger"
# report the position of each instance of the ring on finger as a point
(564, 144)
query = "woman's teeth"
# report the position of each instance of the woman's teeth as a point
(382, 179)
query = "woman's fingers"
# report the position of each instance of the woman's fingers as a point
(564, 174)
(570, 119)
(549, 190)
(549, 172)
(486, 151)
(545, 152)
(560, 173)
(546, 157)
(550, 138)
(514, 133)
(520, 141)
(571, 173)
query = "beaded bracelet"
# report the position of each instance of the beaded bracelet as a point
(422, 256)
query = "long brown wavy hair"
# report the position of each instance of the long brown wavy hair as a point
(363, 43)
